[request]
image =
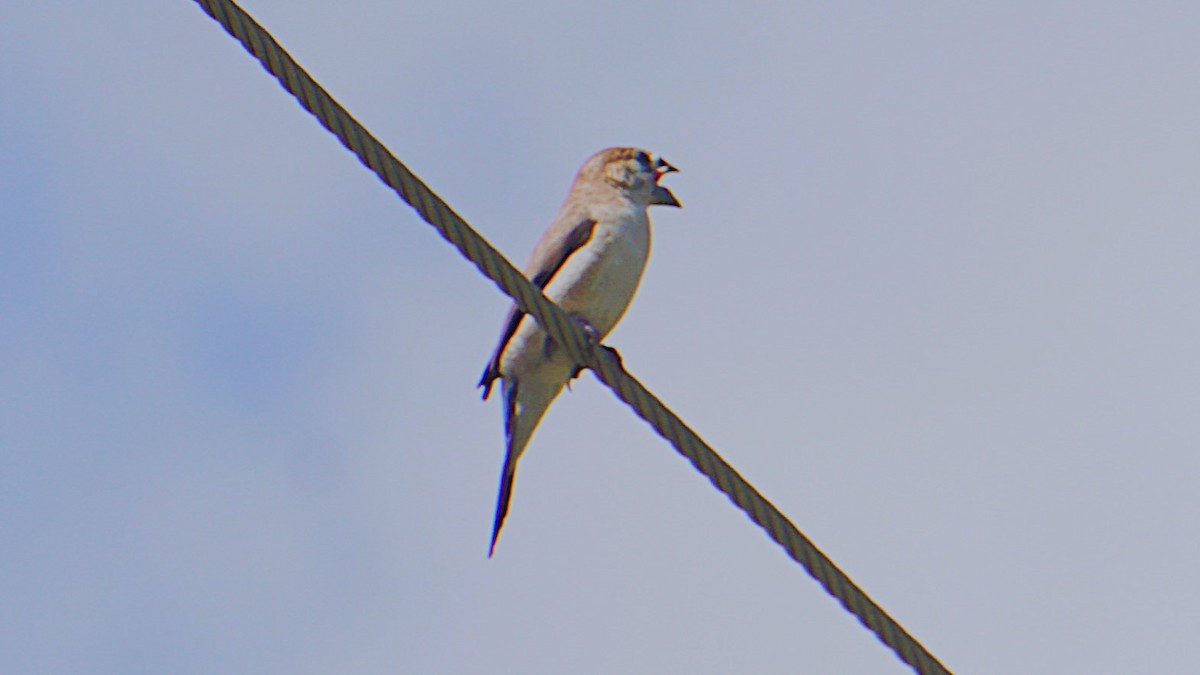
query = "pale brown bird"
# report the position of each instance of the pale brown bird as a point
(589, 262)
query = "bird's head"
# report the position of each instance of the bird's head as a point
(634, 172)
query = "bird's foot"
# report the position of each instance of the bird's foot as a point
(615, 354)
(574, 374)
(593, 335)
(594, 338)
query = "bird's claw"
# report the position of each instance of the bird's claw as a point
(593, 338)
(615, 354)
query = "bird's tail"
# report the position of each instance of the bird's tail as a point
(523, 409)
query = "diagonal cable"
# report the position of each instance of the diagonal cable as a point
(565, 331)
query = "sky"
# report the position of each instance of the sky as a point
(932, 291)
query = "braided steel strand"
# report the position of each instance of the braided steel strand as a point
(563, 329)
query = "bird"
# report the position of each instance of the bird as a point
(589, 262)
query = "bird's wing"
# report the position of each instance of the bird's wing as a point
(564, 237)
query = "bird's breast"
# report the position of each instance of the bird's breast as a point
(599, 279)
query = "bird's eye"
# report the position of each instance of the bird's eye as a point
(643, 159)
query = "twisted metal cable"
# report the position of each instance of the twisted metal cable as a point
(604, 362)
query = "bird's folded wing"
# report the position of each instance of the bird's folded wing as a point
(564, 237)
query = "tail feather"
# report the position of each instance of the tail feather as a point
(506, 482)
(523, 409)
(509, 472)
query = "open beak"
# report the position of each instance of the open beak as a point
(662, 195)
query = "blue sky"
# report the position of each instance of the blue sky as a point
(932, 291)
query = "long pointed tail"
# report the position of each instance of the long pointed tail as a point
(506, 482)
(523, 409)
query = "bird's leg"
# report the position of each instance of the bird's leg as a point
(593, 337)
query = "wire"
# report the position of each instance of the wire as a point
(602, 360)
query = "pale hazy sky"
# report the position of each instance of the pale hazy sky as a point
(933, 291)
